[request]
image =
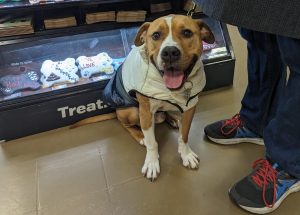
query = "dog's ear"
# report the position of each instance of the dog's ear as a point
(140, 38)
(205, 32)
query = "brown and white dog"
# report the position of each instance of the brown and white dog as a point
(163, 73)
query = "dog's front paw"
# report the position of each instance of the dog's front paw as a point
(151, 167)
(189, 158)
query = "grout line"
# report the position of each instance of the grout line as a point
(106, 181)
(126, 181)
(37, 188)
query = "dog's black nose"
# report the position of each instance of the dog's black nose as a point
(170, 54)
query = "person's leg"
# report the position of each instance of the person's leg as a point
(282, 135)
(266, 79)
(274, 178)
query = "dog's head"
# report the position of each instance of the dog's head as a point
(174, 44)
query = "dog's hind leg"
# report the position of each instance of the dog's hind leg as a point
(136, 133)
(129, 118)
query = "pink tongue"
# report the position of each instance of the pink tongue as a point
(173, 79)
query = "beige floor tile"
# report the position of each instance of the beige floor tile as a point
(18, 191)
(31, 213)
(95, 203)
(125, 162)
(173, 194)
(68, 174)
(35, 146)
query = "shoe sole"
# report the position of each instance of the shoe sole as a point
(265, 210)
(257, 141)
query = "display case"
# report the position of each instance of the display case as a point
(44, 66)
(54, 79)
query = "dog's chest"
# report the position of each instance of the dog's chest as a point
(158, 105)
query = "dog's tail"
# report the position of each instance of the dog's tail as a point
(94, 119)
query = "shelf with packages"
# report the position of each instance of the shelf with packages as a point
(53, 22)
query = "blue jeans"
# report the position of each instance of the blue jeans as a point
(271, 106)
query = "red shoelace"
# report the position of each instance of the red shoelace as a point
(264, 175)
(234, 123)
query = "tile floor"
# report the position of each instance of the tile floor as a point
(95, 169)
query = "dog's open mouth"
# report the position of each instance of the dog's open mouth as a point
(173, 78)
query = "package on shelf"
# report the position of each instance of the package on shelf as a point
(17, 26)
(108, 16)
(131, 16)
(160, 7)
(60, 22)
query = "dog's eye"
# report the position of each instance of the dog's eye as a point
(156, 35)
(187, 33)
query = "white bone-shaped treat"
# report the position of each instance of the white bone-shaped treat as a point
(59, 72)
(101, 63)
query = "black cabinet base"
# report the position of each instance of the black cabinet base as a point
(40, 117)
(219, 74)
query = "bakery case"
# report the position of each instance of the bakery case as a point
(57, 56)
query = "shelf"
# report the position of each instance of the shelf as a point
(24, 6)
(74, 8)
(52, 33)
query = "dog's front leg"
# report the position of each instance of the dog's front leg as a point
(189, 158)
(151, 167)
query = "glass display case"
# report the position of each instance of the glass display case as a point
(50, 78)
(43, 66)
(64, 62)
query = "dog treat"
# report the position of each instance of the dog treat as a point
(100, 63)
(117, 62)
(207, 46)
(13, 83)
(59, 72)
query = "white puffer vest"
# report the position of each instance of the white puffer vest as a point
(140, 75)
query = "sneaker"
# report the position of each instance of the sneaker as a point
(264, 189)
(231, 131)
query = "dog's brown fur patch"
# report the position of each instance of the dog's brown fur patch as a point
(145, 111)
(186, 122)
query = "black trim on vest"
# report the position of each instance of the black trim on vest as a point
(176, 105)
